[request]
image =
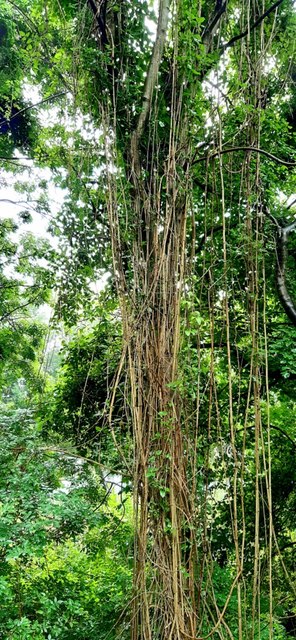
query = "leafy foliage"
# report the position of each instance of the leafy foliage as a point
(63, 559)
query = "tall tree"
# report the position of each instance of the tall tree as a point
(154, 140)
(194, 138)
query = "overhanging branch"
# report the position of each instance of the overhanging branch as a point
(253, 26)
(33, 106)
(275, 428)
(268, 155)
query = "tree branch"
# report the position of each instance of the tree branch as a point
(211, 27)
(291, 204)
(34, 106)
(288, 545)
(151, 79)
(211, 231)
(284, 433)
(14, 159)
(21, 306)
(272, 218)
(25, 15)
(253, 26)
(268, 155)
(282, 255)
(99, 13)
(275, 428)
(207, 33)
